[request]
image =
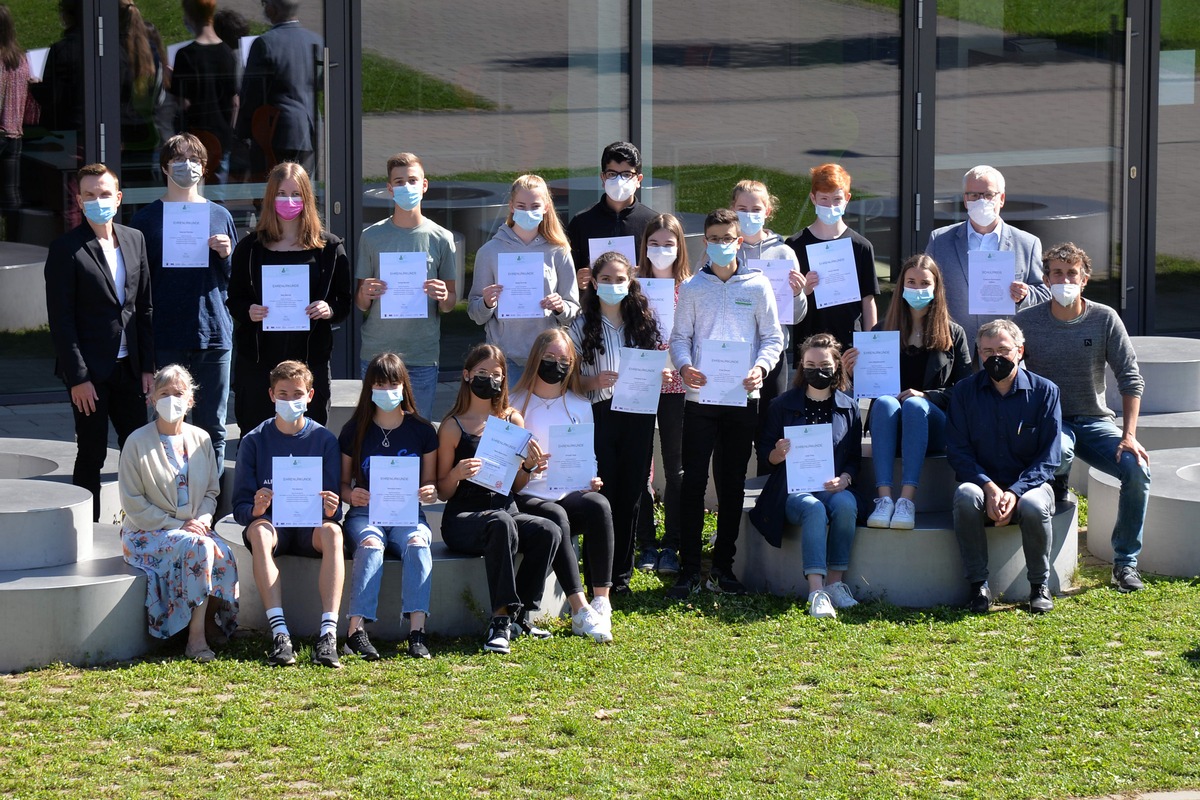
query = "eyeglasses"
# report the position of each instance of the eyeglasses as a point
(497, 376)
(725, 240)
(625, 176)
(562, 362)
(971, 197)
(1003, 352)
(192, 160)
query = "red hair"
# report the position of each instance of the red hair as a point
(829, 178)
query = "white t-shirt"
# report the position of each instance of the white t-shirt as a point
(540, 414)
(116, 266)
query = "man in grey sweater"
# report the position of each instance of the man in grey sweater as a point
(1069, 341)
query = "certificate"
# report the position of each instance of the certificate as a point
(878, 369)
(810, 458)
(833, 261)
(725, 365)
(990, 274)
(185, 235)
(572, 462)
(296, 491)
(523, 277)
(660, 293)
(285, 294)
(404, 274)
(173, 49)
(777, 271)
(625, 245)
(37, 61)
(500, 449)
(244, 44)
(639, 381)
(395, 486)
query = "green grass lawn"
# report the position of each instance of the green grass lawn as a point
(742, 697)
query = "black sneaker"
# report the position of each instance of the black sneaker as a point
(668, 562)
(981, 598)
(325, 653)
(523, 627)
(416, 645)
(687, 584)
(723, 582)
(498, 636)
(281, 654)
(358, 644)
(1126, 579)
(1062, 492)
(647, 560)
(1039, 599)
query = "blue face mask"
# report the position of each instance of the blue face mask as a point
(722, 254)
(100, 211)
(527, 220)
(407, 196)
(751, 222)
(831, 214)
(387, 399)
(612, 293)
(918, 298)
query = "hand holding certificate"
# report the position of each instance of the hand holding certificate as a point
(725, 366)
(777, 271)
(833, 261)
(404, 274)
(395, 486)
(877, 371)
(990, 274)
(296, 486)
(809, 459)
(523, 276)
(500, 449)
(640, 381)
(285, 294)
(185, 235)
(572, 457)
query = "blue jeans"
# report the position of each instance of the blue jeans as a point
(921, 428)
(811, 512)
(410, 545)
(1095, 440)
(210, 371)
(424, 386)
(515, 371)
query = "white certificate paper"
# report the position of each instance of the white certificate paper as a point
(37, 61)
(285, 294)
(572, 462)
(725, 365)
(639, 381)
(625, 245)
(244, 44)
(777, 271)
(990, 273)
(500, 448)
(185, 235)
(523, 277)
(296, 491)
(810, 458)
(395, 484)
(405, 275)
(660, 293)
(877, 371)
(833, 261)
(173, 49)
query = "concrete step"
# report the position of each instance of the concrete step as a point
(52, 460)
(1171, 368)
(44, 524)
(935, 490)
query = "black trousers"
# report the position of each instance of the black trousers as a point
(624, 445)
(774, 385)
(670, 444)
(119, 399)
(585, 513)
(729, 431)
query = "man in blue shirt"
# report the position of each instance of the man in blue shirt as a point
(1002, 439)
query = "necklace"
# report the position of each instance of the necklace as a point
(386, 433)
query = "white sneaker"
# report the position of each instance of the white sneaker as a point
(881, 517)
(820, 606)
(839, 594)
(905, 516)
(586, 622)
(602, 607)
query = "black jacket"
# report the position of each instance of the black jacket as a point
(601, 222)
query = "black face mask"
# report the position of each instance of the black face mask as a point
(818, 378)
(486, 387)
(998, 368)
(552, 371)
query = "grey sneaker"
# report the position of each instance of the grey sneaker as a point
(1126, 579)
(668, 562)
(358, 644)
(281, 654)
(416, 645)
(325, 653)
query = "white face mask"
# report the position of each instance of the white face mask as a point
(619, 190)
(662, 257)
(982, 212)
(171, 408)
(291, 410)
(1065, 293)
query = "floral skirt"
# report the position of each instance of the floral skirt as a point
(182, 570)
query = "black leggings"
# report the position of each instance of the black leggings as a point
(624, 444)
(589, 514)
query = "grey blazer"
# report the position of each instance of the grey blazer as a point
(948, 247)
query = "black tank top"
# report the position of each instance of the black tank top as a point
(471, 496)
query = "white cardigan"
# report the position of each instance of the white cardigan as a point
(147, 480)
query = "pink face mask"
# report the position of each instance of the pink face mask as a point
(289, 207)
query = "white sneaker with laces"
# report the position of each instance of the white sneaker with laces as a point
(820, 606)
(881, 517)
(586, 622)
(839, 595)
(905, 516)
(602, 607)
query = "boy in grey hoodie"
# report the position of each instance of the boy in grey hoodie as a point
(725, 301)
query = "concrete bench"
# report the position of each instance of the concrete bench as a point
(53, 460)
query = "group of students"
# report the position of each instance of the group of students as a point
(536, 373)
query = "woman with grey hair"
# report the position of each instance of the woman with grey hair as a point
(168, 483)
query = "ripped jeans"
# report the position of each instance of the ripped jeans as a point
(409, 544)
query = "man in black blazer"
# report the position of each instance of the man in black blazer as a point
(98, 302)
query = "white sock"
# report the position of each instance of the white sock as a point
(329, 623)
(276, 621)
